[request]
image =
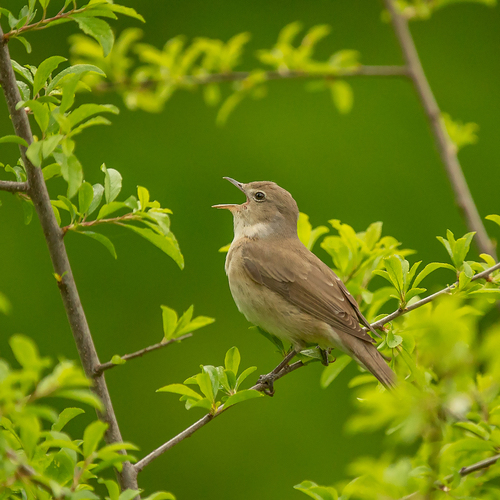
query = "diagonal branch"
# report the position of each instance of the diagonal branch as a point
(464, 471)
(447, 149)
(54, 239)
(381, 322)
(13, 187)
(263, 387)
(109, 364)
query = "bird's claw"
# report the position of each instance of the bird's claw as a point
(268, 382)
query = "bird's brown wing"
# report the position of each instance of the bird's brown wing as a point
(304, 280)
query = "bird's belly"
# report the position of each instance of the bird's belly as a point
(278, 316)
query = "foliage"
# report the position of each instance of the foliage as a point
(213, 380)
(147, 77)
(423, 9)
(38, 457)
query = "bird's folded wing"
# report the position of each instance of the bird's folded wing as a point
(304, 280)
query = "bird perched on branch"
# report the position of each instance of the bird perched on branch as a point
(283, 288)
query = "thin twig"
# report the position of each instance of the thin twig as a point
(106, 366)
(54, 239)
(464, 471)
(420, 303)
(13, 187)
(75, 226)
(261, 387)
(235, 76)
(447, 149)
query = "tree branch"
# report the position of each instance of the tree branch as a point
(464, 471)
(235, 76)
(447, 149)
(261, 387)
(54, 238)
(381, 322)
(13, 187)
(106, 366)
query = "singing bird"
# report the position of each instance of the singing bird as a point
(283, 288)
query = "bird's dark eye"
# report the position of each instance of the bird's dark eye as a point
(259, 196)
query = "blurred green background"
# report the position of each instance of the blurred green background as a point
(377, 163)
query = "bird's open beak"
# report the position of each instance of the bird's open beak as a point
(232, 206)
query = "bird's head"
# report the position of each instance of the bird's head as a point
(268, 211)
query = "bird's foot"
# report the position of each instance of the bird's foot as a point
(268, 382)
(325, 353)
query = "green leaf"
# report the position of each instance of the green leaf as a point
(112, 183)
(25, 42)
(52, 170)
(14, 138)
(195, 324)
(342, 96)
(65, 416)
(40, 111)
(44, 71)
(242, 396)
(393, 340)
(394, 269)
(87, 110)
(143, 195)
(92, 437)
(112, 487)
(104, 240)
(128, 494)
(109, 208)
(98, 190)
(317, 492)
(206, 387)
(50, 143)
(126, 11)
(98, 29)
(474, 428)
(160, 495)
(165, 243)
(232, 361)
(428, 269)
(181, 389)
(25, 351)
(494, 218)
(272, 338)
(170, 320)
(118, 360)
(77, 69)
(84, 396)
(85, 197)
(331, 372)
(244, 374)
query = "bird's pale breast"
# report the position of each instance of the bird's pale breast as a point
(273, 313)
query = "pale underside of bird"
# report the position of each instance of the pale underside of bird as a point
(282, 287)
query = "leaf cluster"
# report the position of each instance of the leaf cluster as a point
(38, 457)
(211, 381)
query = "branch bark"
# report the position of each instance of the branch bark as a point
(446, 148)
(381, 322)
(235, 76)
(13, 187)
(108, 365)
(262, 387)
(54, 238)
(464, 471)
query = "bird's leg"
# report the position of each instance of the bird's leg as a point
(324, 355)
(271, 377)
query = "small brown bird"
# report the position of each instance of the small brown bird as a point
(282, 287)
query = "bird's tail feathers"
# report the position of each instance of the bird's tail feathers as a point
(367, 356)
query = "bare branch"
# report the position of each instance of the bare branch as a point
(13, 187)
(464, 471)
(99, 369)
(235, 76)
(447, 149)
(261, 387)
(54, 238)
(381, 322)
